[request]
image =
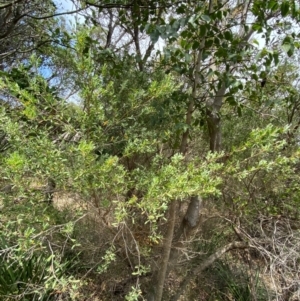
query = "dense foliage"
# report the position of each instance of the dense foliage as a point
(150, 151)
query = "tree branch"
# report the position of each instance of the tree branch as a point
(57, 14)
(11, 27)
(204, 265)
(10, 4)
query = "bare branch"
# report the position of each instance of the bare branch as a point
(56, 15)
(204, 265)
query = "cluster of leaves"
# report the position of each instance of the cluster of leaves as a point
(119, 148)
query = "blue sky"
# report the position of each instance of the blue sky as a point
(65, 6)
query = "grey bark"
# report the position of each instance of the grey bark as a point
(213, 109)
(214, 120)
(4, 143)
(191, 218)
(50, 189)
(170, 257)
(189, 223)
(7, 188)
(156, 291)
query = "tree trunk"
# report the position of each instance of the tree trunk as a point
(156, 291)
(50, 189)
(214, 120)
(194, 207)
(214, 130)
(170, 255)
(189, 223)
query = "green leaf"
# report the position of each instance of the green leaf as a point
(205, 18)
(286, 47)
(239, 111)
(257, 27)
(295, 10)
(209, 43)
(192, 20)
(273, 5)
(154, 36)
(221, 52)
(196, 45)
(203, 30)
(231, 100)
(284, 8)
(276, 58)
(219, 15)
(291, 50)
(181, 9)
(185, 33)
(217, 41)
(254, 76)
(228, 35)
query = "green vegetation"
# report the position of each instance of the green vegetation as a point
(150, 151)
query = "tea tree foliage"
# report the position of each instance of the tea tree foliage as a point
(148, 150)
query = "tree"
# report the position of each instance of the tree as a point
(29, 27)
(149, 163)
